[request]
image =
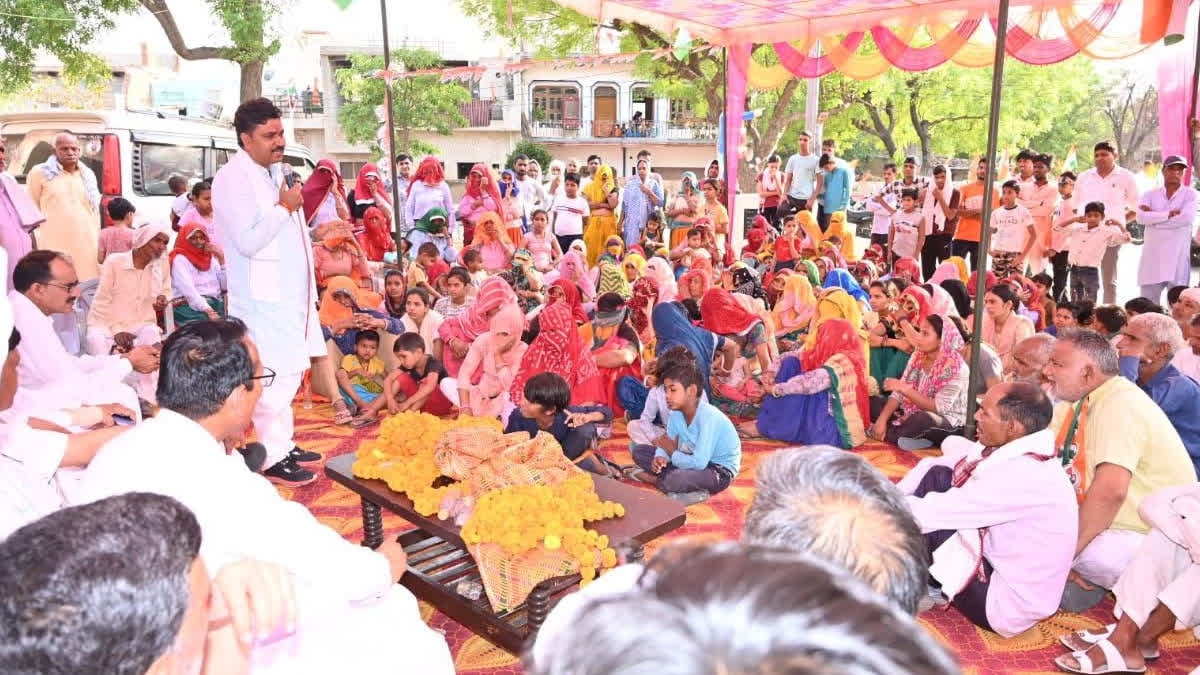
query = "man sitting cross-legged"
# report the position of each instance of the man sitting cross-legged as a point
(1118, 447)
(999, 516)
(210, 380)
(1155, 594)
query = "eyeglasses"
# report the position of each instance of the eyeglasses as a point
(268, 377)
(66, 287)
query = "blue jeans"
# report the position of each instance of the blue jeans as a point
(1085, 283)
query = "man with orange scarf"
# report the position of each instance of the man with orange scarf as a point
(1118, 447)
(481, 196)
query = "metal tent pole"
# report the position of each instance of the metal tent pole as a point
(397, 235)
(985, 232)
(1191, 111)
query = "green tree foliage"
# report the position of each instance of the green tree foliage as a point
(250, 25)
(533, 151)
(543, 26)
(418, 103)
(63, 28)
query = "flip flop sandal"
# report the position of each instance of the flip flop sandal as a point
(639, 474)
(1113, 661)
(361, 423)
(1091, 637)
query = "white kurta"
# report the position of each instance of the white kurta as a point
(1167, 252)
(194, 285)
(345, 595)
(50, 376)
(29, 459)
(268, 263)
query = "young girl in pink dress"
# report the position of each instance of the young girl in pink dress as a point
(542, 244)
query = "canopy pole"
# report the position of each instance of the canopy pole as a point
(397, 235)
(985, 232)
(1191, 111)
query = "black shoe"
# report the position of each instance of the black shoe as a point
(298, 455)
(255, 455)
(290, 473)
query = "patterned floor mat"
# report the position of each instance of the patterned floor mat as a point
(980, 652)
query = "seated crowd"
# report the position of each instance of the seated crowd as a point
(558, 308)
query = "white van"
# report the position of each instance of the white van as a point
(133, 154)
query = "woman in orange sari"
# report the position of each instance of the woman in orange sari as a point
(491, 238)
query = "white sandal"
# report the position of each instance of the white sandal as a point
(1114, 662)
(1091, 638)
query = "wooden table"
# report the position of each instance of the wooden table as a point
(438, 558)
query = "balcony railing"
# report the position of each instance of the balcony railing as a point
(482, 112)
(677, 130)
(306, 103)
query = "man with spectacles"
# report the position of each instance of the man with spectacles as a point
(210, 383)
(44, 284)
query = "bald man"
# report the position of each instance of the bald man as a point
(66, 192)
(1029, 357)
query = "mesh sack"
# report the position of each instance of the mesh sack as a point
(485, 459)
(508, 578)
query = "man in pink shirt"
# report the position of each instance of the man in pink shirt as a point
(1039, 196)
(999, 516)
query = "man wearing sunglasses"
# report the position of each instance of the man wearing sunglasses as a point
(44, 284)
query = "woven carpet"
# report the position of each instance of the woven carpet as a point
(980, 652)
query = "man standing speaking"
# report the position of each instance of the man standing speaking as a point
(268, 259)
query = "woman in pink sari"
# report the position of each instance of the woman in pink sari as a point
(660, 270)
(459, 332)
(490, 367)
(481, 196)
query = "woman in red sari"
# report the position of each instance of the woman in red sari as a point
(376, 237)
(615, 345)
(724, 315)
(560, 349)
(324, 197)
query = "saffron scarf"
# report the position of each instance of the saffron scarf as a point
(796, 305)
(1071, 445)
(332, 310)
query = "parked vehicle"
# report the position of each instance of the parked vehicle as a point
(133, 154)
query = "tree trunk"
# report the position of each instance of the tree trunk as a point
(252, 78)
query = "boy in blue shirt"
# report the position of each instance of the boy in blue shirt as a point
(701, 452)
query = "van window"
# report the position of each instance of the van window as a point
(300, 166)
(27, 150)
(160, 162)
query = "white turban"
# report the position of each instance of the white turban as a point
(143, 234)
(1192, 294)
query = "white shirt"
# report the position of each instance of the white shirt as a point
(904, 243)
(1087, 247)
(47, 366)
(1010, 228)
(29, 460)
(569, 214)
(269, 267)
(1117, 191)
(532, 195)
(193, 284)
(1060, 238)
(1031, 517)
(180, 205)
(242, 516)
(882, 221)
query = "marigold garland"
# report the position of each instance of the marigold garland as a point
(403, 455)
(524, 517)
